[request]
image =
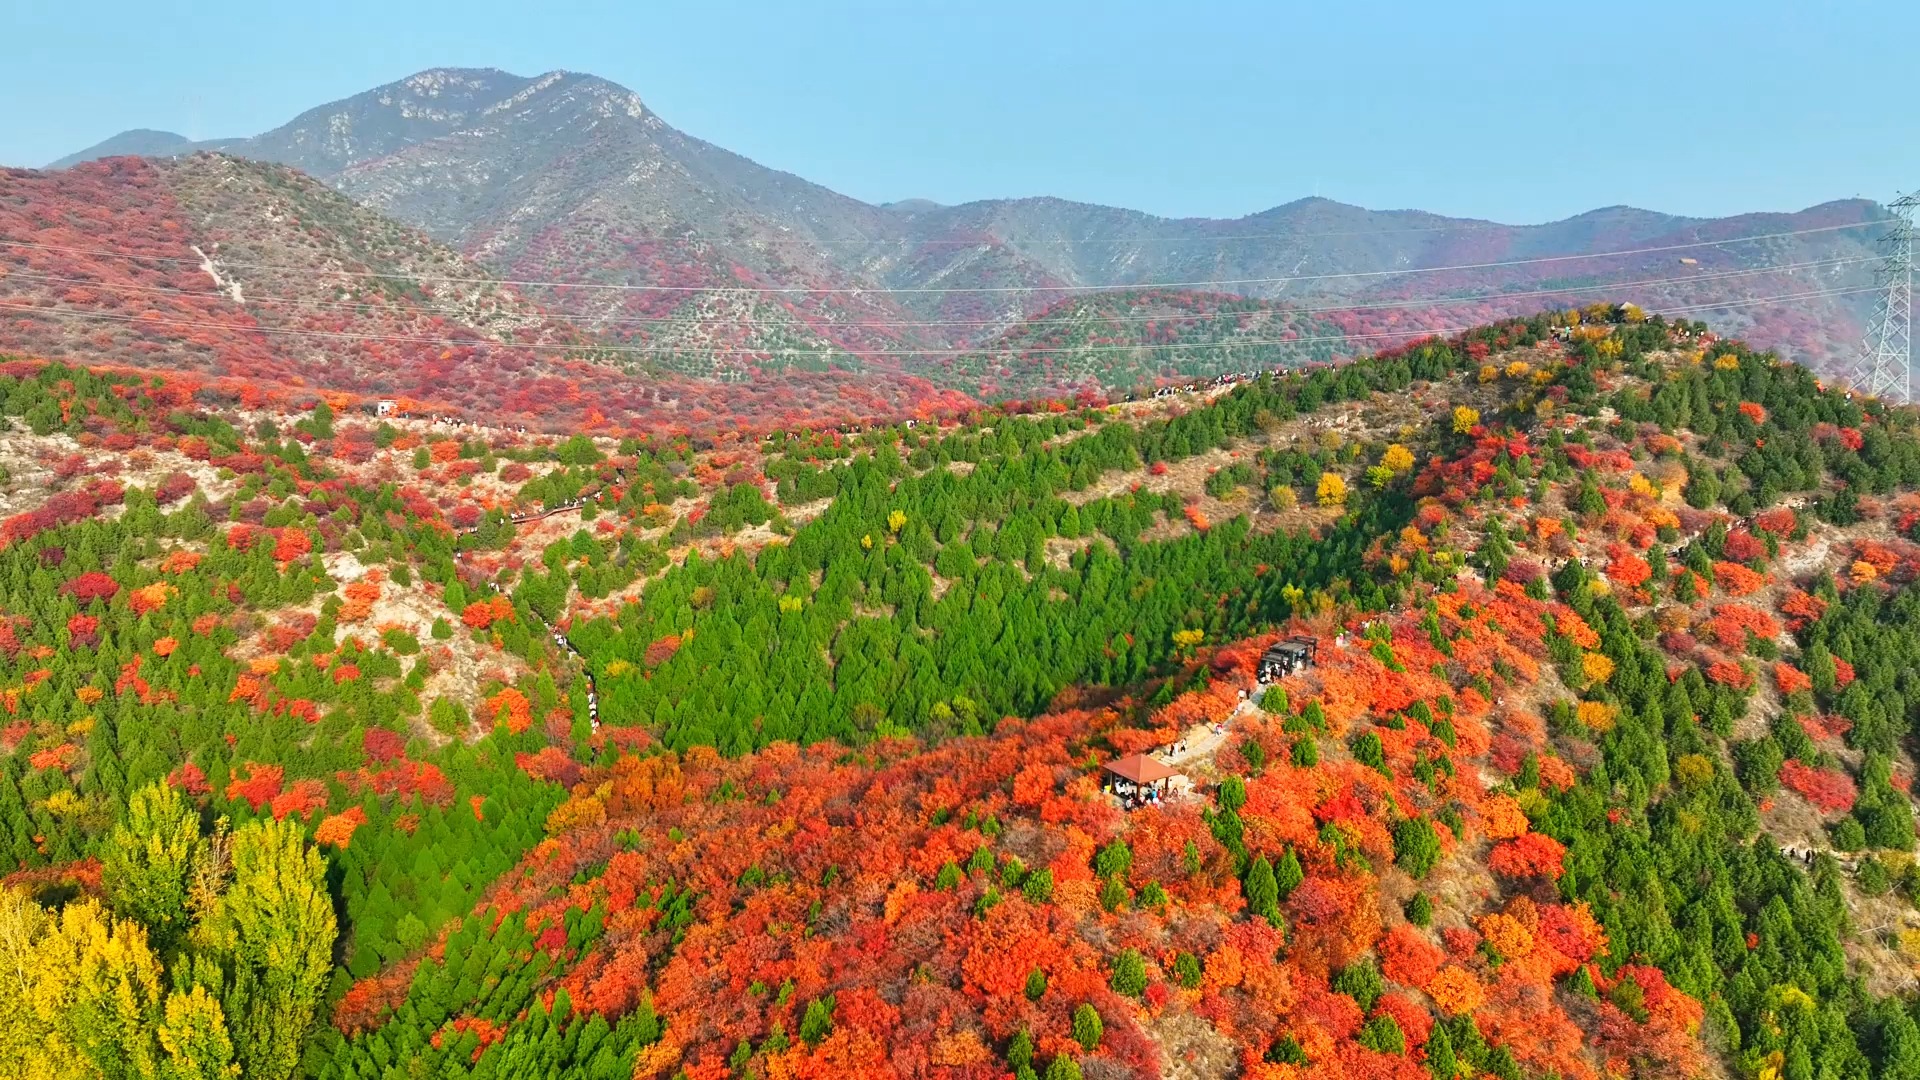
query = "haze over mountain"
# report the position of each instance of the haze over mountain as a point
(567, 177)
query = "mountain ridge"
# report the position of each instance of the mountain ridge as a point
(169, 144)
(430, 81)
(637, 232)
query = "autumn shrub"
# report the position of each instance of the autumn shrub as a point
(1531, 855)
(1829, 790)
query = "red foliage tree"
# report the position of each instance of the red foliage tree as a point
(90, 586)
(1625, 568)
(302, 799)
(173, 487)
(190, 778)
(1532, 855)
(382, 745)
(550, 764)
(1407, 957)
(478, 615)
(290, 544)
(260, 787)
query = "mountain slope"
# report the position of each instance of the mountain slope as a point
(570, 177)
(269, 283)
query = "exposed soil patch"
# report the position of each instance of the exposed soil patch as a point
(1191, 1048)
(461, 665)
(30, 477)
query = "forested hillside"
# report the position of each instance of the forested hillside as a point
(266, 289)
(340, 746)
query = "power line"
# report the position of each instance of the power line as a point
(1425, 302)
(987, 238)
(1003, 289)
(1759, 301)
(1410, 333)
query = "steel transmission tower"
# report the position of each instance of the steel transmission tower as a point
(1886, 360)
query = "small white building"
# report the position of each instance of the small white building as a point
(383, 407)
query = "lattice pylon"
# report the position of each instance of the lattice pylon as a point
(1885, 370)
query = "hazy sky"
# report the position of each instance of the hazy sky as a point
(1519, 112)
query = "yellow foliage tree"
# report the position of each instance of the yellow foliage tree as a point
(1910, 946)
(1456, 991)
(83, 994)
(1597, 667)
(148, 861)
(1332, 490)
(1694, 771)
(1502, 819)
(65, 804)
(194, 1035)
(1465, 418)
(578, 811)
(1597, 715)
(1508, 935)
(1398, 458)
(93, 995)
(274, 929)
(22, 1033)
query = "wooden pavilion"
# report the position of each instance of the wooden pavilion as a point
(1137, 777)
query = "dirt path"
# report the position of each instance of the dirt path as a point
(1202, 741)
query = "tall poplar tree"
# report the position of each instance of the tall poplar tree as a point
(273, 933)
(147, 862)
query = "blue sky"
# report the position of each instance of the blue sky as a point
(1520, 112)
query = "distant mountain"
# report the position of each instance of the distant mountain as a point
(142, 142)
(718, 265)
(569, 177)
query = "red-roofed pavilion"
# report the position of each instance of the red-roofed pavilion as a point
(1138, 778)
